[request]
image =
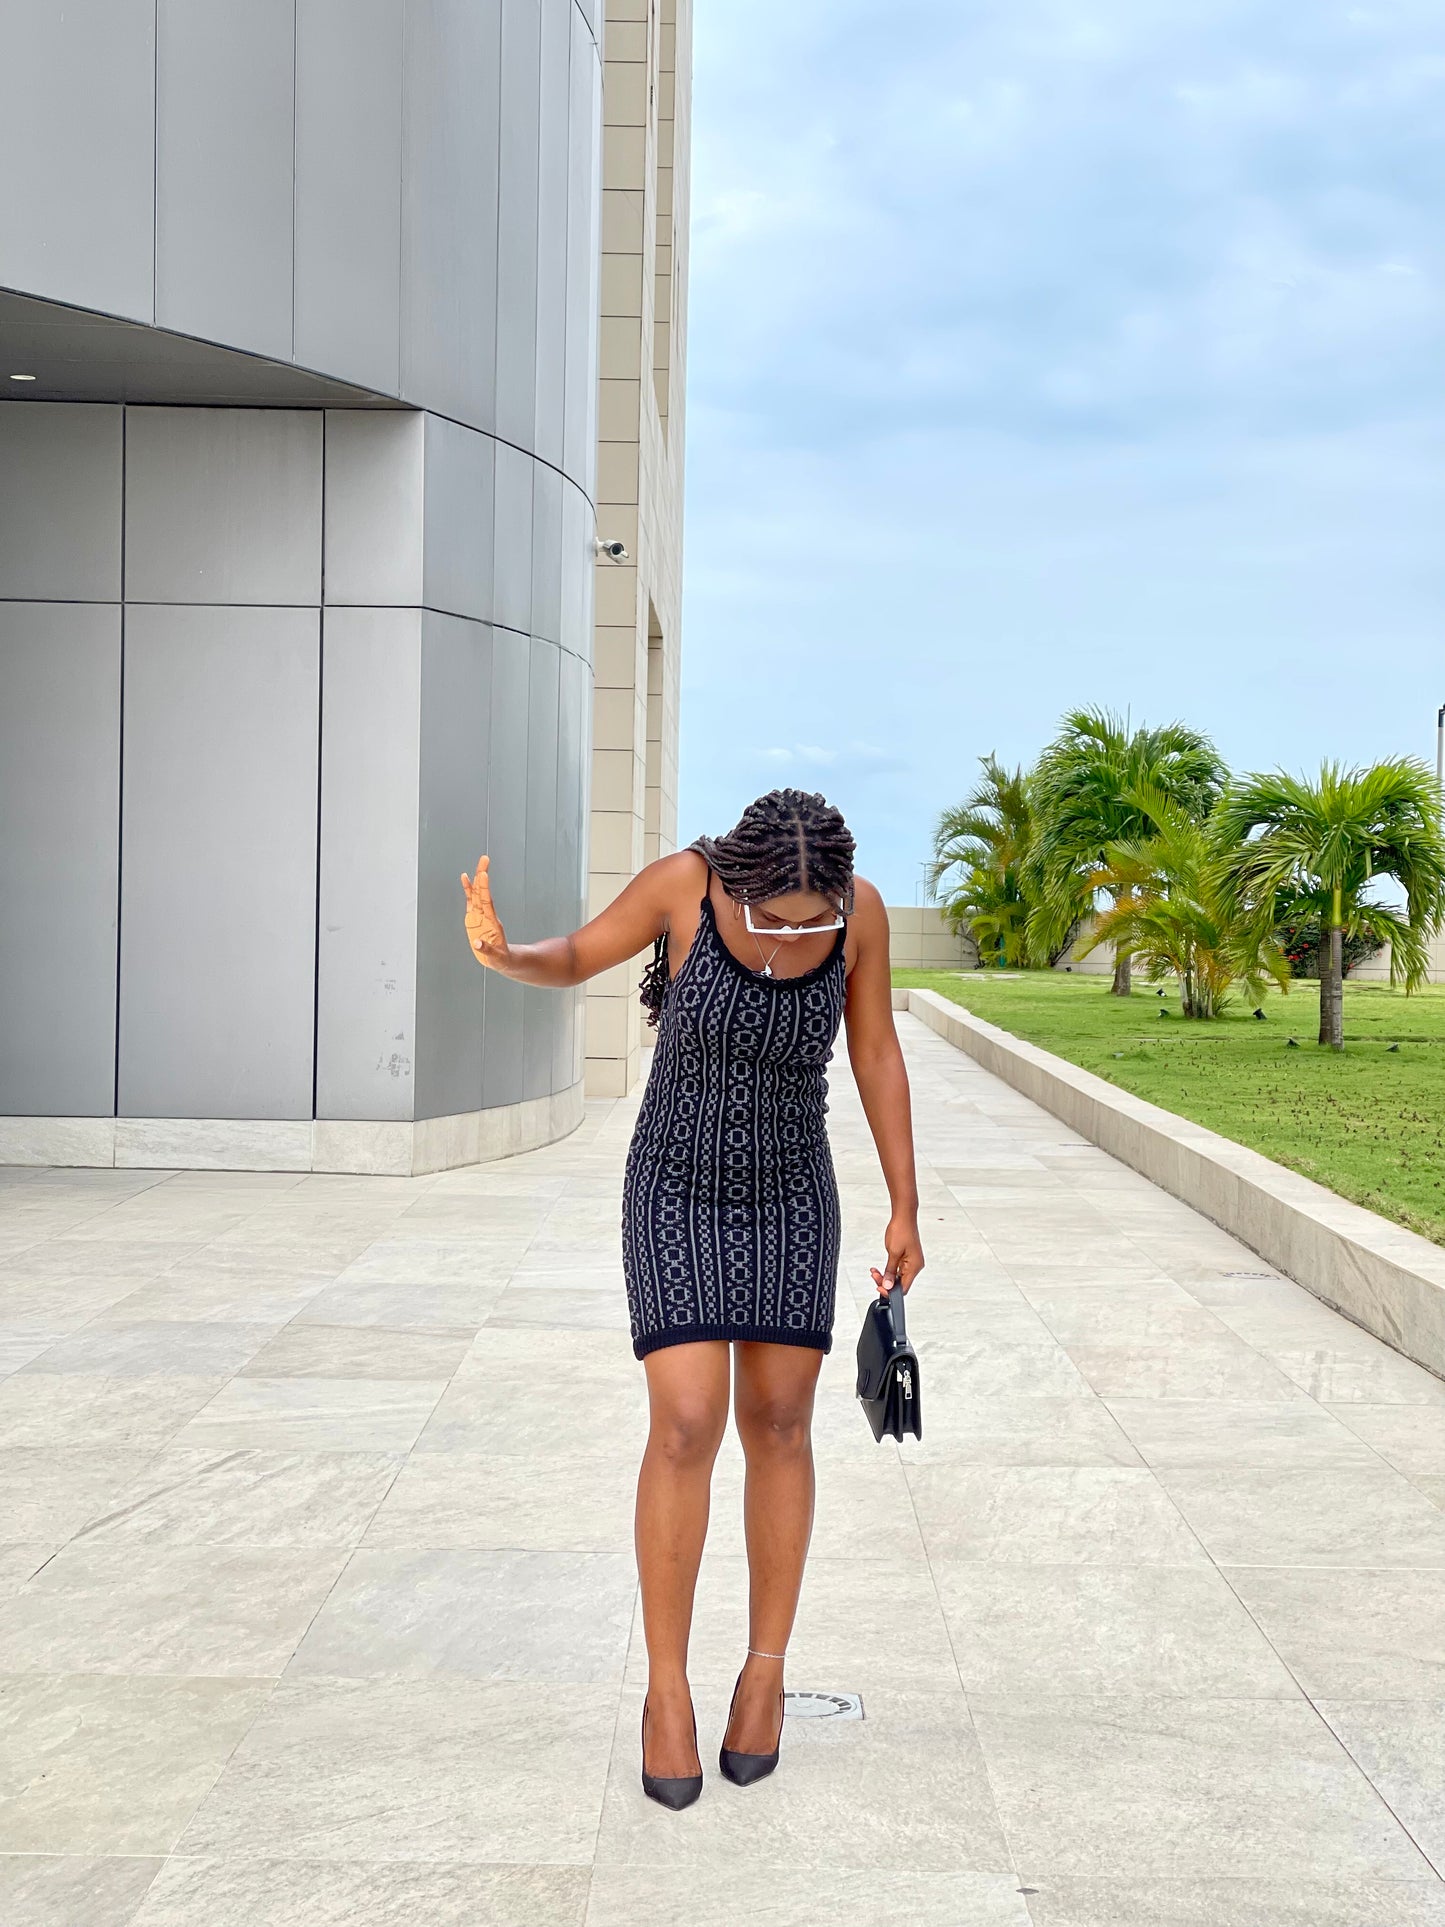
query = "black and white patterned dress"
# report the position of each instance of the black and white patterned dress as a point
(730, 1216)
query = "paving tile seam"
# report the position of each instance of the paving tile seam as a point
(612, 1761)
(994, 1802)
(1438, 1868)
(618, 1695)
(359, 1545)
(1311, 1701)
(1411, 1478)
(1224, 1576)
(1198, 1219)
(1153, 1470)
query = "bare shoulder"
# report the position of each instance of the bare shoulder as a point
(651, 903)
(870, 914)
(675, 881)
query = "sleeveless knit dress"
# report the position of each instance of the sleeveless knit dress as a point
(730, 1214)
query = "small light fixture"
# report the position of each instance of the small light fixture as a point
(23, 378)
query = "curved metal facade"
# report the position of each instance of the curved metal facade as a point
(296, 523)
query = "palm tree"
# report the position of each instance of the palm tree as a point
(1080, 792)
(1171, 910)
(1315, 847)
(981, 844)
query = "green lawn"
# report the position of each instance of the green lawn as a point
(1370, 1124)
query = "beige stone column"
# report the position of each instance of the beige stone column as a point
(646, 96)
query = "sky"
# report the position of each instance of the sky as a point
(1057, 352)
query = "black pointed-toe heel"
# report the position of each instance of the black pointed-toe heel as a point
(744, 1768)
(670, 1790)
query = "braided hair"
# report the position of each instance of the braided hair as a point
(789, 840)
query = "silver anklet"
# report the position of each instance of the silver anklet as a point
(762, 1655)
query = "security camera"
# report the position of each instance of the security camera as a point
(614, 551)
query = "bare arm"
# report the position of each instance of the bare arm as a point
(636, 916)
(882, 1078)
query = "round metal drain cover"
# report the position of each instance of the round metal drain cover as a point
(823, 1706)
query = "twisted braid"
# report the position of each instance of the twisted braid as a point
(785, 842)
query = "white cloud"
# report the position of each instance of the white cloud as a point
(1044, 351)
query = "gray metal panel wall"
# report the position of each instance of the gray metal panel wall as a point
(547, 491)
(223, 505)
(586, 372)
(460, 519)
(512, 552)
(456, 700)
(375, 477)
(225, 145)
(579, 533)
(60, 507)
(77, 152)
(394, 192)
(542, 1009)
(507, 847)
(517, 222)
(348, 189)
(60, 817)
(380, 190)
(449, 208)
(555, 108)
(367, 925)
(584, 161)
(218, 862)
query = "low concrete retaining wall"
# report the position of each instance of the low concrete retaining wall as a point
(1376, 969)
(920, 939)
(1383, 1277)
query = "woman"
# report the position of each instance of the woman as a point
(763, 941)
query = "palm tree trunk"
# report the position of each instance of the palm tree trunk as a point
(1337, 988)
(1123, 984)
(1332, 979)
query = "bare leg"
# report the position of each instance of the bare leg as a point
(687, 1388)
(774, 1407)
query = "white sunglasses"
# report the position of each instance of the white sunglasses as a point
(789, 929)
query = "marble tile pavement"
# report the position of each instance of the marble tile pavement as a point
(318, 1600)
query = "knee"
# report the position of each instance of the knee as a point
(688, 1434)
(780, 1426)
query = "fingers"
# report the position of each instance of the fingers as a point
(480, 909)
(909, 1266)
(900, 1268)
(483, 926)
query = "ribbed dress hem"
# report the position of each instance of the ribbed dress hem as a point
(754, 1334)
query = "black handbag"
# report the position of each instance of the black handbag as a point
(888, 1384)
